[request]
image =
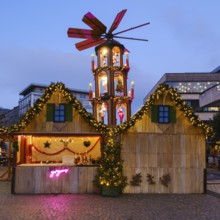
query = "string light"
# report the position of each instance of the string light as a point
(110, 171)
(123, 69)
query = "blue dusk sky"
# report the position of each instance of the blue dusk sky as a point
(184, 36)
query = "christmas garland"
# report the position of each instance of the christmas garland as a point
(65, 148)
(123, 69)
(179, 103)
(42, 101)
(100, 126)
(110, 170)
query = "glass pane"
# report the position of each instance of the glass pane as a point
(161, 108)
(166, 114)
(56, 113)
(62, 113)
(166, 108)
(161, 114)
(61, 118)
(166, 120)
(161, 120)
(62, 107)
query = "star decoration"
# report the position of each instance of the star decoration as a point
(47, 144)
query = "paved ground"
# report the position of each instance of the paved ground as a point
(96, 207)
(213, 181)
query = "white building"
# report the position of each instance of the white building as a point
(201, 90)
(31, 93)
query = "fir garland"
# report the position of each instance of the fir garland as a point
(110, 172)
(179, 103)
(123, 69)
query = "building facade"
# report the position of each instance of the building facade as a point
(9, 117)
(3, 111)
(29, 96)
(201, 91)
(33, 92)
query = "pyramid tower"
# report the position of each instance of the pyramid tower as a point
(111, 99)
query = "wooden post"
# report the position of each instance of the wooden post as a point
(205, 181)
(9, 160)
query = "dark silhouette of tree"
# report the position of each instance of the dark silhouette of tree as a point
(215, 123)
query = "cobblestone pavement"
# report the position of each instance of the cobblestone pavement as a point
(96, 207)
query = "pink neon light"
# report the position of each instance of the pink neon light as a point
(57, 172)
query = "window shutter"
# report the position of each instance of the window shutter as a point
(154, 113)
(69, 112)
(172, 114)
(50, 112)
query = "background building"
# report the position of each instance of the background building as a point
(9, 117)
(29, 96)
(201, 91)
(31, 93)
(3, 111)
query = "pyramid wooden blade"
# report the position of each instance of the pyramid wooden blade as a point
(89, 43)
(131, 38)
(117, 20)
(94, 23)
(132, 28)
(82, 33)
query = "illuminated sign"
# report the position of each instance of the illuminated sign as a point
(58, 171)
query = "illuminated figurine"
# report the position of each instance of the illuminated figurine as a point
(103, 60)
(119, 87)
(115, 58)
(120, 114)
(102, 112)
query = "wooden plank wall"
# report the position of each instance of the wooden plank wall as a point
(36, 180)
(160, 149)
(159, 155)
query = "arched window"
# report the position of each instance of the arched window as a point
(103, 83)
(118, 83)
(103, 57)
(116, 56)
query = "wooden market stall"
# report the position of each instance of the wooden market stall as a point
(164, 152)
(64, 157)
(54, 163)
(56, 155)
(160, 149)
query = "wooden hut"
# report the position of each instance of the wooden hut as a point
(164, 149)
(58, 146)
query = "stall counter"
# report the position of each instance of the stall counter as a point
(54, 178)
